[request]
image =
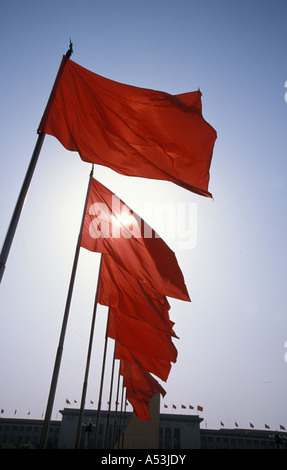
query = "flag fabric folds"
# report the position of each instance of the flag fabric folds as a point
(159, 367)
(111, 227)
(118, 289)
(141, 386)
(140, 336)
(134, 131)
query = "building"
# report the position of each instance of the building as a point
(25, 433)
(175, 431)
(242, 439)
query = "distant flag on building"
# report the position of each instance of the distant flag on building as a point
(251, 425)
(199, 408)
(68, 401)
(191, 407)
(266, 426)
(91, 402)
(174, 407)
(165, 406)
(183, 407)
(282, 427)
(236, 424)
(2, 411)
(222, 424)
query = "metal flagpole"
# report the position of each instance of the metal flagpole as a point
(24, 190)
(63, 330)
(85, 384)
(117, 404)
(110, 401)
(101, 385)
(19, 205)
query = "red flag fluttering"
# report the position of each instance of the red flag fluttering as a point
(159, 367)
(111, 227)
(138, 271)
(128, 294)
(134, 131)
(141, 386)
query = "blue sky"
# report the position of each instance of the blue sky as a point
(232, 335)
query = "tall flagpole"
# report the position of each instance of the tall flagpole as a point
(19, 205)
(117, 403)
(24, 190)
(110, 401)
(101, 385)
(58, 359)
(85, 383)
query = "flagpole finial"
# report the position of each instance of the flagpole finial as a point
(70, 50)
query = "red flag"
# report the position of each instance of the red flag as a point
(68, 402)
(165, 406)
(251, 425)
(183, 406)
(111, 227)
(236, 424)
(117, 288)
(199, 408)
(140, 336)
(140, 388)
(191, 407)
(266, 426)
(282, 427)
(134, 131)
(156, 366)
(222, 424)
(174, 407)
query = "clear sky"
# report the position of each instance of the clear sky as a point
(231, 351)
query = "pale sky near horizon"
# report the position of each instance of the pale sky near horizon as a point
(232, 351)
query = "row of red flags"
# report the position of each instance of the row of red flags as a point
(137, 274)
(142, 133)
(266, 426)
(199, 408)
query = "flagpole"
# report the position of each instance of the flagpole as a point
(63, 329)
(85, 383)
(117, 403)
(110, 401)
(25, 186)
(125, 409)
(19, 205)
(101, 385)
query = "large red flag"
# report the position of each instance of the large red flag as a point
(117, 288)
(138, 335)
(134, 131)
(111, 227)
